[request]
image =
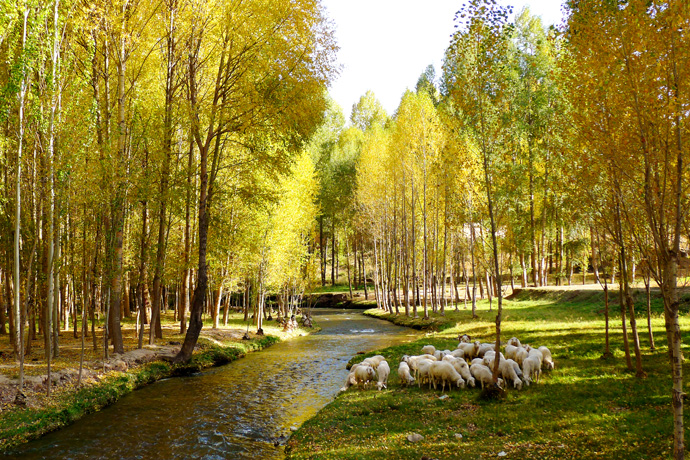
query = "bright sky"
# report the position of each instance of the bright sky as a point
(385, 45)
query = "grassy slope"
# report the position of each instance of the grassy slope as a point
(587, 408)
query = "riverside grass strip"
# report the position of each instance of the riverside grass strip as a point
(587, 408)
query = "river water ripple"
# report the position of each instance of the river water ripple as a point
(237, 411)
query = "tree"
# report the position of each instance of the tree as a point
(476, 62)
(275, 110)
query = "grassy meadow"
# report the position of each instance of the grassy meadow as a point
(587, 408)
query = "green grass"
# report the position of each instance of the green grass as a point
(587, 407)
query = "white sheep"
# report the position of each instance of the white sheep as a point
(510, 351)
(374, 361)
(404, 374)
(439, 354)
(470, 349)
(516, 368)
(548, 359)
(413, 360)
(484, 375)
(531, 366)
(428, 350)
(383, 371)
(514, 341)
(477, 361)
(364, 374)
(520, 355)
(491, 355)
(463, 369)
(423, 367)
(484, 347)
(444, 371)
(350, 381)
(535, 352)
(458, 353)
(464, 338)
(507, 371)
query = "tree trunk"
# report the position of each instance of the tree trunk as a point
(626, 346)
(216, 307)
(647, 286)
(18, 333)
(333, 251)
(323, 252)
(607, 350)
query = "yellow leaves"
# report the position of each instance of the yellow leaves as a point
(291, 222)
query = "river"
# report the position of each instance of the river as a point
(239, 410)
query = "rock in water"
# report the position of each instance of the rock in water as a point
(414, 437)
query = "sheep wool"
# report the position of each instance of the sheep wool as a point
(383, 371)
(404, 374)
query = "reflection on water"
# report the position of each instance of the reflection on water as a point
(240, 410)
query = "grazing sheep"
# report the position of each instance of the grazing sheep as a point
(490, 356)
(508, 372)
(374, 361)
(463, 369)
(364, 374)
(464, 338)
(516, 368)
(520, 355)
(535, 352)
(470, 349)
(404, 374)
(477, 361)
(548, 360)
(458, 353)
(444, 371)
(412, 361)
(350, 381)
(439, 354)
(514, 342)
(484, 347)
(531, 366)
(510, 351)
(428, 350)
(484, 375)
(383, 371)
(423, 367)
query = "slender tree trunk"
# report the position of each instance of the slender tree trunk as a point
(626, 346)
(333, 251)
(118, 212)
(647, 286)
(607, 350)
(18, 334)
(349, 278)
(216, 307)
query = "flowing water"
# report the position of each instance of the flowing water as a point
(241, 410)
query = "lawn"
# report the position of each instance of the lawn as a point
(588, 407)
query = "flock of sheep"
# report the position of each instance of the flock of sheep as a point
(520, 365)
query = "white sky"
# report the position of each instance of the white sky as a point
(385, 45)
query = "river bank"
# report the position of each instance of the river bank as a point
(243, 410)
(32, 414)
(588, 407)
